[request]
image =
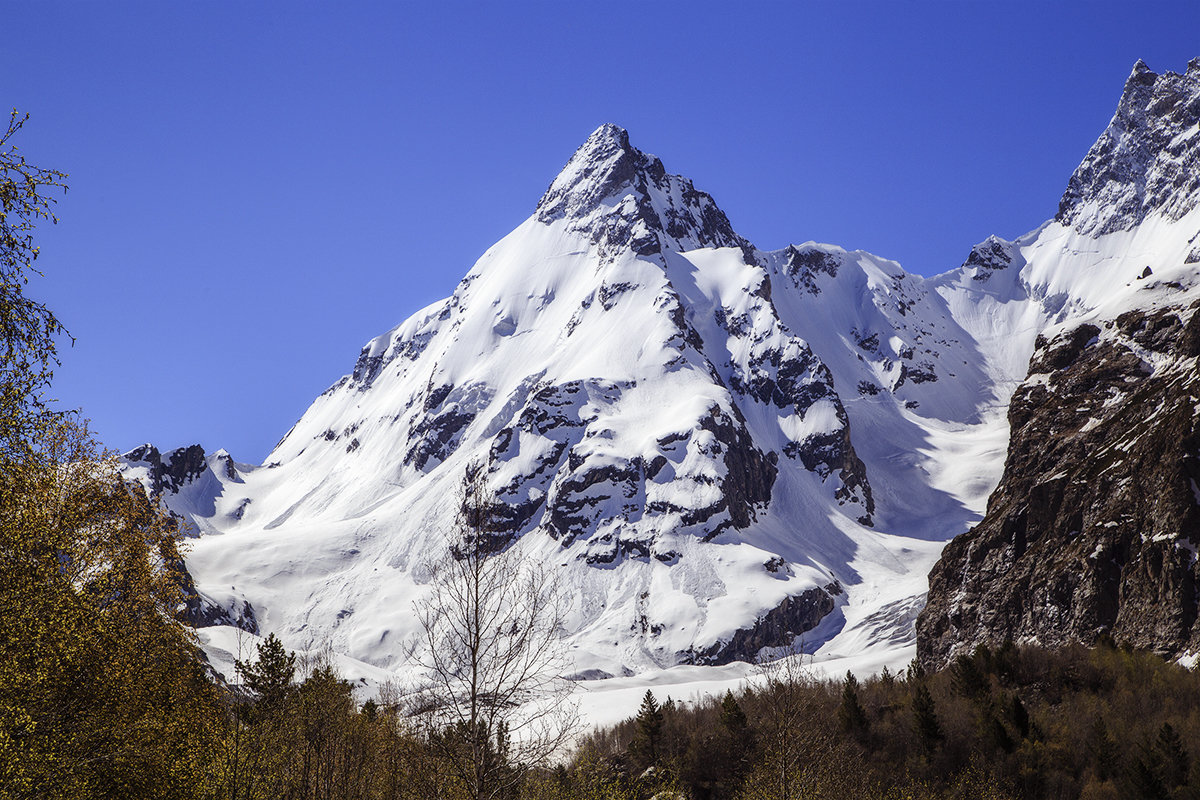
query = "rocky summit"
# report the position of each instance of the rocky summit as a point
(723, 449)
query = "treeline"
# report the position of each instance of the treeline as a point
(1013, 722)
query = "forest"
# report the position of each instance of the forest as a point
(105, 692)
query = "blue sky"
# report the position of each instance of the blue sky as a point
(259, 188)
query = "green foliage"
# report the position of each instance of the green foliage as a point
(851, 715)
(270, 676)
(967, 678)
(647, 742)
(102, 693)
(28, 330)
(1074, 723)
(925, 719)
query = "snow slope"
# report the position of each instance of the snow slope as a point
(719, 447)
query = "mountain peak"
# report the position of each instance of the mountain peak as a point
(602, 166)
(625, 200)
(1144, 163)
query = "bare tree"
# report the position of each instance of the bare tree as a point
(493, 654)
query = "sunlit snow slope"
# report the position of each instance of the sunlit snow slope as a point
(720, 448)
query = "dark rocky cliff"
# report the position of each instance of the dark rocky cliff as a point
(1095, 526)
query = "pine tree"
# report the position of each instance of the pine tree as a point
(741, 738)
(1174, 758)
(1020, 717)
(1104, 752)
(732, 716)
(851, 715)
(269, 676)
(925, 721)
(967, 679)
(647, 738)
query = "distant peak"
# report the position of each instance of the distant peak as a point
(602, 166)
(1141, 75)
(1141, 164)
(655, 211)
(607, 135)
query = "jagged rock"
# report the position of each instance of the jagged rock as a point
(1141, 163)
(779, 627)
(656, 211)
(169, 474)
(989, 256)
(805, 264)
(1095, 526)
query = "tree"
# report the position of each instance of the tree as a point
(28, 350)
(646, 746)
(492, 656)
(925, 721)
(850, 713)
(102, 692)
(270, 676)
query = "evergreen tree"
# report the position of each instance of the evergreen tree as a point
(269, 676)
(645, 749)
(925, 720)
(740, 736)
(1103, 751)
(733, 718)
(968, 679)
(1020, 717)
(851, 715)
(1172, 756)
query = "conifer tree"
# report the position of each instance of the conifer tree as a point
(647, 738)
(925, 720)
(851, 715)
(1173, 757)
(270, 676)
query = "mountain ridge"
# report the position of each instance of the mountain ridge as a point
(722, 448)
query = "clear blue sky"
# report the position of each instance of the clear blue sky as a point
(258, 188)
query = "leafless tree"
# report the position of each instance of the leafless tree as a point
(799, 758)
(493, 655)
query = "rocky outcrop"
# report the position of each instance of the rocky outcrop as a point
(779, 627)
(1095, 526)
(624, 199)
(991, 255)
(1147, 161)
(168, 473)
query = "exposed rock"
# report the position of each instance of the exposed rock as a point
(779, 627)
(1143, 162)
(656, 211)
(805, 264)
(989, 256)
(180, 466)
(1095, 526)
(749, 472)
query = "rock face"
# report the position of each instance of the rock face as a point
(657, 211)
(170, 474)
(1148, 161)
(1095, 526)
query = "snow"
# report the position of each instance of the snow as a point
(558, 357)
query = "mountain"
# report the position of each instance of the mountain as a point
(719, 447)
(1095, 526)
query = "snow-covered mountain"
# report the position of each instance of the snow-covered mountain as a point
(719, 447)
